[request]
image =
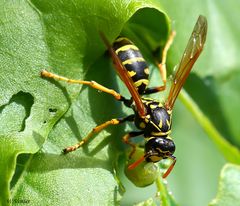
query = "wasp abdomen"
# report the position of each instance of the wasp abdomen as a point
(133, 61)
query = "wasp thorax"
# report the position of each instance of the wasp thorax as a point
(157, 122)
(157, 148)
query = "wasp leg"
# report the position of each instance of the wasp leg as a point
(131, 135)
(96, 130)
(162, 67)
(92, 84)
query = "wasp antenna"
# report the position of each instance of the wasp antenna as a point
(170, 167)
(136, 163)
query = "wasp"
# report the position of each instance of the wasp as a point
(152, 117)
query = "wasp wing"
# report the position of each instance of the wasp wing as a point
(190, 55)
(122, 72)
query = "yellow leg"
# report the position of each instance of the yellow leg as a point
(126, 141)
(95, 130)
(162, 66)
(98, 129)
(92, 84)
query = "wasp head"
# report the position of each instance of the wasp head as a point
(157, 148)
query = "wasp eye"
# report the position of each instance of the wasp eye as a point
(168, 146)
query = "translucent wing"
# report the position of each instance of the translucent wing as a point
(190, 55)
(122, 72)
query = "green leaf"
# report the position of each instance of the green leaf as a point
(229, 187)
(63, 37)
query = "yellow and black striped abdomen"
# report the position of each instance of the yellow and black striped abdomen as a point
(134, 62)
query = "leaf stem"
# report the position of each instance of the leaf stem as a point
(166, 198)
(163, 191)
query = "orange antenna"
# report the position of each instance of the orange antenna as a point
(136, 163)
(170, 167)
